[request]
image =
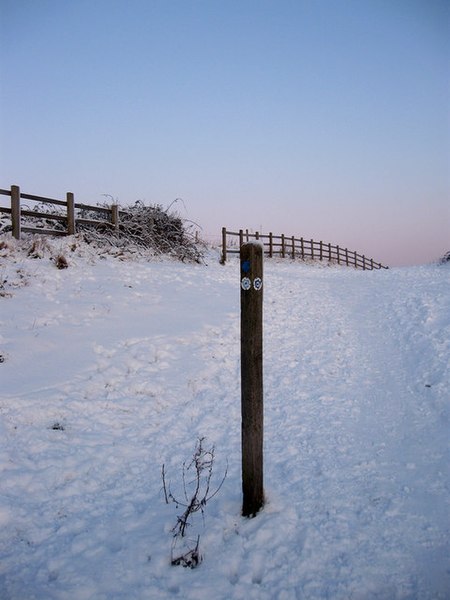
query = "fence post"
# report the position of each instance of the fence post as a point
(223, 260)
(312, 249)
(364, 262)
(251, 272)
(270, 244)
(329, 252)
(293, 247)
(302, 247)
(115, 215)
(346, 256)
(70, 200)
(338, 252)
(15, 211)
(241, 237)
(321, 250)
(282, 246)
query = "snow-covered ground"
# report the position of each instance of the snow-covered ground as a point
(111, 368)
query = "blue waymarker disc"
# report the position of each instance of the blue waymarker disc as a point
(245, 266)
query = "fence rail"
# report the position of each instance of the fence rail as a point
(71, 219)
(289, 246)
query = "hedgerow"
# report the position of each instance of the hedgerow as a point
(142, 230)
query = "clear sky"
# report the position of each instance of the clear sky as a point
(326, 119)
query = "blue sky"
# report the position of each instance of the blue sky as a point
(327, 118)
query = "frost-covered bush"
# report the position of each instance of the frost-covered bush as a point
(151, 228)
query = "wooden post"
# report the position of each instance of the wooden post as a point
(364, 262)
(329, 252)
(293, 247)
(321, 249)
(302, 246)
(346, 256)
(15, 211)
(338, 252)
(270, 244)
(241, 237)
(70, 213)
(223, 260)
(282, 245)
(312, 249)
(115, 215)
(252, 377)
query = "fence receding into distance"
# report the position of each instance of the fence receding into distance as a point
(291, 247)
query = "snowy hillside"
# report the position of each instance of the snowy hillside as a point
(111, 368)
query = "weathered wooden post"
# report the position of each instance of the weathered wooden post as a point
(224, 246)
(115, 216)
(70, 201)
(15, 211)
(251, 272)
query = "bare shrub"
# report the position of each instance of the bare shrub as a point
(150, 228)
(195, 493)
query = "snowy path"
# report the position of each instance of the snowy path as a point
(114, 368)
(367, 458)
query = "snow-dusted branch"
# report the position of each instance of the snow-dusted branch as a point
(196, 492)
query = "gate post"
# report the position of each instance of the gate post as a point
(252, 409)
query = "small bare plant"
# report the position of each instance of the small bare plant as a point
(196, 491)
(61, 262)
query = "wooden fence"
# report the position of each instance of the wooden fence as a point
(70, 219)
(289, 246)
